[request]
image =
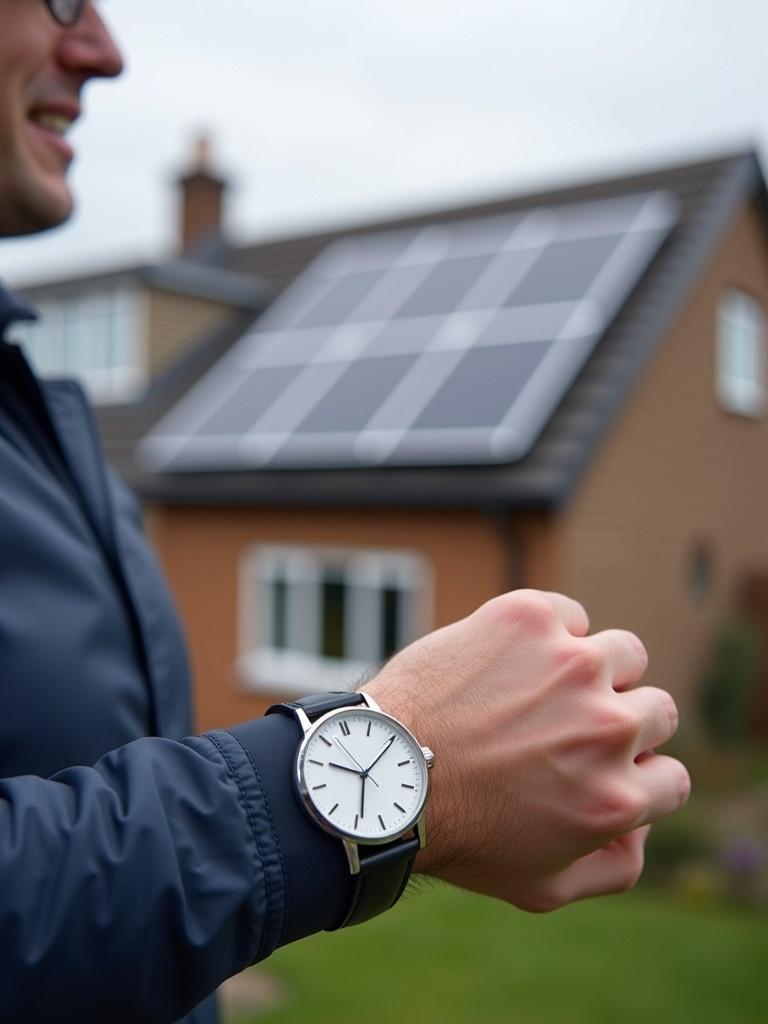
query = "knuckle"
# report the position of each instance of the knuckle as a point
(526, 609)
(614, 809)
(583, 662)
(616, 726)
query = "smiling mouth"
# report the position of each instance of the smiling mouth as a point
(56, 123)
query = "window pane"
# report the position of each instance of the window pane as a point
(740, 354)
(279, 611)
(391, 616)
(333, 607)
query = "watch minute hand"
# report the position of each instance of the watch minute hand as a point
(381, 753)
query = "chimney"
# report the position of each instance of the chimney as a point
(202, 199)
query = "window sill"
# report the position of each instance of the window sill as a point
(295, 674)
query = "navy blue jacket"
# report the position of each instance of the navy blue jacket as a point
(138, 868)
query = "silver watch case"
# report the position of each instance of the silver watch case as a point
(416, 823)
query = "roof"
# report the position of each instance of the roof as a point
(709, 193)
(243, 290)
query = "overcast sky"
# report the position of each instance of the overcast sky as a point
(324, 111)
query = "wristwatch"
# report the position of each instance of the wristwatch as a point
(362, 777)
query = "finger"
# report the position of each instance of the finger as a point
(625, 656)
(665, 783)
(572, 614)
(655, 714)
(611, 869)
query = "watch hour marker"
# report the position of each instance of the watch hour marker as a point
(357, 818)
(406, 786)
(320, 763)
(401, 809)
(322, 786)
(381, 822)
(401, 763)
(368, 730)
(326, 742)
(333, 808)
(345, 728)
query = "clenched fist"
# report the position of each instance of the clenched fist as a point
(546, 777)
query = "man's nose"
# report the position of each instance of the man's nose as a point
(88, 47)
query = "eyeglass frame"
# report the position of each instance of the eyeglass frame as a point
(64, 21)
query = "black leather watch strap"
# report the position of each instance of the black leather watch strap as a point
(384, 870)
(319, 704)
(384, 873)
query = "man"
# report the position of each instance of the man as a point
(130, 889)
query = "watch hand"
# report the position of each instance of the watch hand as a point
(362, 770)
(380, 754)
(362, 798)
(359, 766)
(345, 768)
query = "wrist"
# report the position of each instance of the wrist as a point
(393, 701)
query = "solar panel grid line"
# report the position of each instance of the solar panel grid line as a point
(347, 342)
(586, 318)
(620, 274)
(258, 449)
(499, 278)
(407, 399)
(297, 347)
(542, 393)
(533, 231)
(482, 388)
(175, 428)
(358, 392)
(429, 245)
(596, 219)
(207, 453)
(658, 212)
(523, 324)
(459, 330)
(305, 392)
(402, 336)
(334, 448)
(289, 307)
(457, 446)
(467, 241)
(396, 286)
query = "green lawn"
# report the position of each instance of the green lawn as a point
(445, 956)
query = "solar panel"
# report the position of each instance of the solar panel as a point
(436, 345)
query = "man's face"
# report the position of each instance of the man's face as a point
(43, 68)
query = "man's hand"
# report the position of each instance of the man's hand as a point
(545, 778)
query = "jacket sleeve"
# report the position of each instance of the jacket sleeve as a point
(130, 890)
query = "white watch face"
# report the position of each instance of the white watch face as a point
(363, 775)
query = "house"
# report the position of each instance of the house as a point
(563, 390)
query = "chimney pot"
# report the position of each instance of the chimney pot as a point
(202, 199)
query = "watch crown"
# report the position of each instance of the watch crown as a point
(429, 757)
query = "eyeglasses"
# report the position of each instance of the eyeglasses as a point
(66, 12)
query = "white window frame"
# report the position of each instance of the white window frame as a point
(293, 671)
(71, 340)
(741, 384)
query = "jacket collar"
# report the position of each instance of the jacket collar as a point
(13, 309)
